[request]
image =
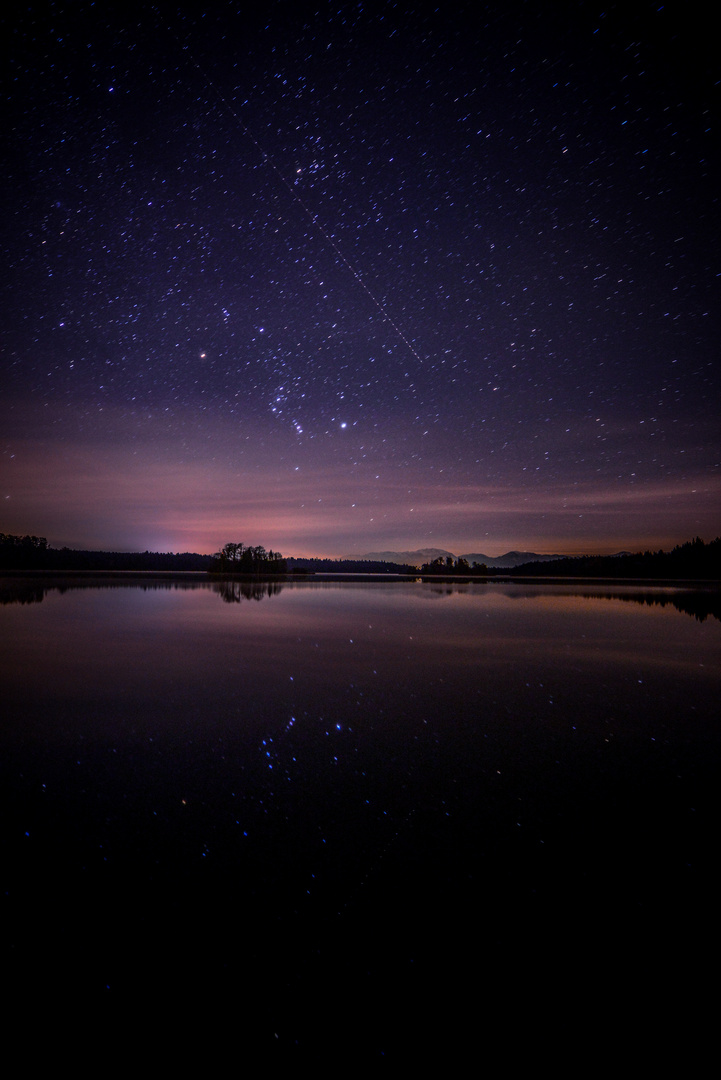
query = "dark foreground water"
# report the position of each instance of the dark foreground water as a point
(360, 820)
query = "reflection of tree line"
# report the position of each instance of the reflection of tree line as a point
(234, 592)
(18, 591)
(698, 603)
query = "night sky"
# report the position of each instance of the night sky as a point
(337, 278)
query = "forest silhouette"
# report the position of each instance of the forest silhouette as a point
(694, 560)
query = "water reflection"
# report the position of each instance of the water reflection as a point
(700, 602)
(696, 602)
(347, 796)
(234, 592)
(34, 589)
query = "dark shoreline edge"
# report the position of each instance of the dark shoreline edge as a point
(371, 578)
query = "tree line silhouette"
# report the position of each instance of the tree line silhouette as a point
(692, 560)
(21, 551)
(33, 553)
(348, 566)
(449, 565)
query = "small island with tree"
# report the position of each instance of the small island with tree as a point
(241, 559)
(458, 567)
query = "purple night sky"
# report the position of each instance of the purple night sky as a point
(341, 278)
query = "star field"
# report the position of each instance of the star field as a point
(337, 277)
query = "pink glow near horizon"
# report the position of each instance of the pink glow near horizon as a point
(110, 498)
(440, 319)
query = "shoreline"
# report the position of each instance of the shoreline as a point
(202, 576)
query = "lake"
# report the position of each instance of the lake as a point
(293, 807)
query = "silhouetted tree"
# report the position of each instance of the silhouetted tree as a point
(22, 552)
(239, 559)
(457, 568)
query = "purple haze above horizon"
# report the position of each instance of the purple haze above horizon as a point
(355, 278)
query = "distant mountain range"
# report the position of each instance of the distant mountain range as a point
(426, 555)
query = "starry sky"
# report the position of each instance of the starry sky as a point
(337, 278)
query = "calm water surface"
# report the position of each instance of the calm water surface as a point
(299, 805)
